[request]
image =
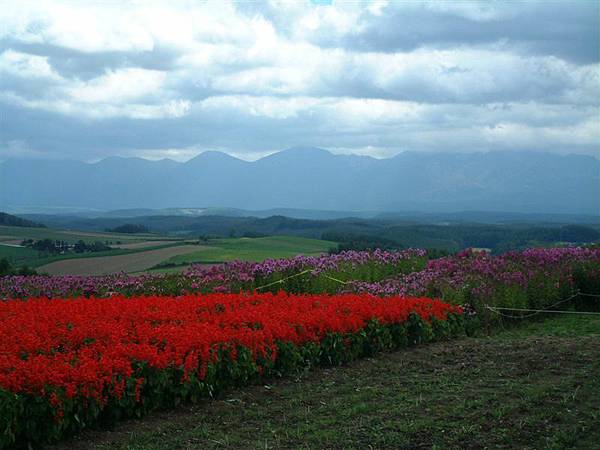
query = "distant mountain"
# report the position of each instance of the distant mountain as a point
(314, 179)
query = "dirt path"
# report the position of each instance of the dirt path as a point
(102, 265)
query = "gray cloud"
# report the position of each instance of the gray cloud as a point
(567, 30)
(88, 81)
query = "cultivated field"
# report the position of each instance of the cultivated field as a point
(141, 252)
(102, 265)
(19, 233)
(254, 249)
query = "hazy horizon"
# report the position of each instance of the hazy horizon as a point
(247, 158)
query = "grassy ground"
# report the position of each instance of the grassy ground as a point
(254, 249)
(18, 255)
(532, 387)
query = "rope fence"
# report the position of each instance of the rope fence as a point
(496, 309)
(537, 311)
(284, 279)
(324, 275)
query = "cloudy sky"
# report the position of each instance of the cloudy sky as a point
(86, 80)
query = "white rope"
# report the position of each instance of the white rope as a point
(283, 279)
(589, 295)
(536, 311)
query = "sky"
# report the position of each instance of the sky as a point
(87, 80)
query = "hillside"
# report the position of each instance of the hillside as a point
(14, 221)
(448, 232)
(526, 182)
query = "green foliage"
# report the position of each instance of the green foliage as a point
(6, 268)
(350, 241)
(332, 281)
(129, 228)
(14, 221)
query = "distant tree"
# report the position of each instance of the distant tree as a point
(129, 228)
(98, 246)
(578, 233)
(80, 246)
(253, 234)
(47, 246)
(350, 241)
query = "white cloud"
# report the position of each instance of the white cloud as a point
(167, 110)
(337, 75)
(117, 87)
(84, 26)
(24, 65)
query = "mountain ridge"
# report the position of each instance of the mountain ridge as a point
(314, 178)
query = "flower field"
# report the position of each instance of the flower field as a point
(78, 352)
(534, 278)
(70, 364)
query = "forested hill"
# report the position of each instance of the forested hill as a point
(14, 221)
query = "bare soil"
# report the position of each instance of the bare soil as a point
(103, 265)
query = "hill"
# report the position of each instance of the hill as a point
(14, 221)
(443, 232)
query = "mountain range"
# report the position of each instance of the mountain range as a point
(313, 178)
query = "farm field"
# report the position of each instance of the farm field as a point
(18, 255)
(160, 340)
(542, 393)
(11, 238)
(253, 249)
(104, 265)
(19, 233)
(142, 252)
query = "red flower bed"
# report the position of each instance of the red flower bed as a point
(82, 359)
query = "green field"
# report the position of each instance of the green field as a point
(532, 387)
(71, 236)
(19, 256)
(253, 249)
(213, 251)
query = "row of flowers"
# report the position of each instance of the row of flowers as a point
(229, 277)
(532, 278)
(73, 363)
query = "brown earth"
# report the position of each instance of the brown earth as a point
(102, 265)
